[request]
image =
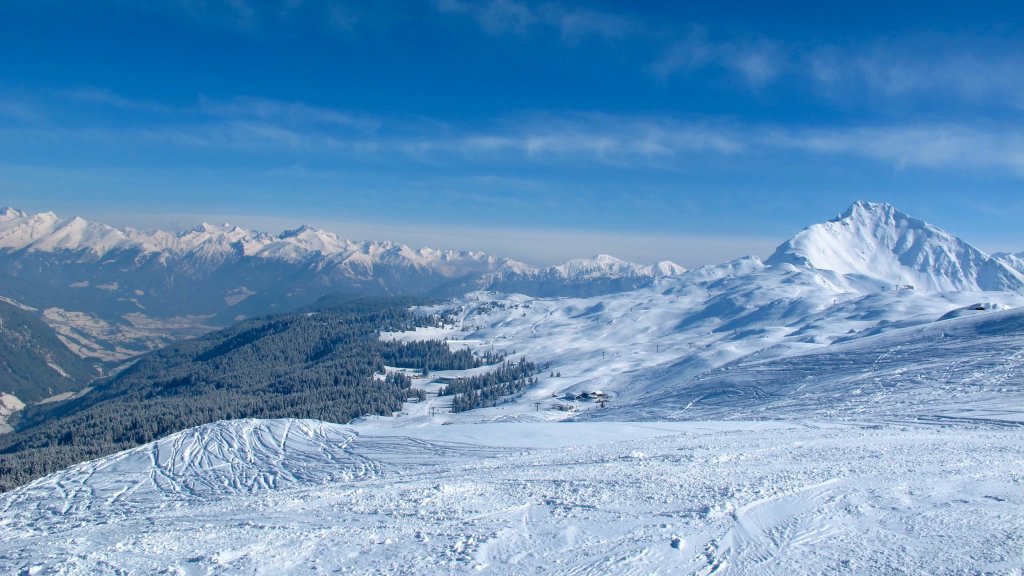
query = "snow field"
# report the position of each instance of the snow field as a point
(749, 498)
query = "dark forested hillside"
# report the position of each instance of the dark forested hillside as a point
(489, 389)
(326, 365)
(34, 363)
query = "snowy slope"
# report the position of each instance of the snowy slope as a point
(1013, 261)
(557, 498)
(878, 243)
(887, 450)
(964, 368)
(920, 477)
(648, 341)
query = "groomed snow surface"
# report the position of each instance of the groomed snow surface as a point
(567, 498)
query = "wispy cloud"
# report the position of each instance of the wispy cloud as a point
(248, 124)
(92, 95)
(607, 139)
(19, 110)
(757, 61)
(915, 69)
(942, 146)
(514, 17)
(285, 112)
(909, 69)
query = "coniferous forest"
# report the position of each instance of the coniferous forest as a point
(328, 365)
(489, 389)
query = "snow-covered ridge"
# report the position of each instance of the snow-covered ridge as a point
(599, 266)
(1013, 261)
(878, 243)
(214, 244)
(47, 232)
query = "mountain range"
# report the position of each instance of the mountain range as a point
(112, 293)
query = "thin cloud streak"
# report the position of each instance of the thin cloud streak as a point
(248, 124)
(757, 62)
(287, 112)
(105, 98)
(928, 146)
(897, 71)
(499, 17)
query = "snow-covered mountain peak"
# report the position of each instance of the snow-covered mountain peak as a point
(599, 265)
(668, 268)
(887, 248)
(8, 213)
(871, 210)
(295, 232)
(19, 230)
(307, 239)
(743, 266)
(213, 229)
(606, 265)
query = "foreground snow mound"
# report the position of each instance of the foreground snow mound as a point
(878, 243)
(228, 457)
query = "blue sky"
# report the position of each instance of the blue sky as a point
(539, 130)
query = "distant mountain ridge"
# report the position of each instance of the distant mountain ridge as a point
(212, 244)
(213, 275)
(305, 259)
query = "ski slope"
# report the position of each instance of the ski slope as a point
(565, 498)
(644, 347)
(959, 369)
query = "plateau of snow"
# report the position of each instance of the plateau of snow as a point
(807, 415)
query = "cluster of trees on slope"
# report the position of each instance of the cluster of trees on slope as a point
(488, 389)
(429, 355)
(323, 365)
